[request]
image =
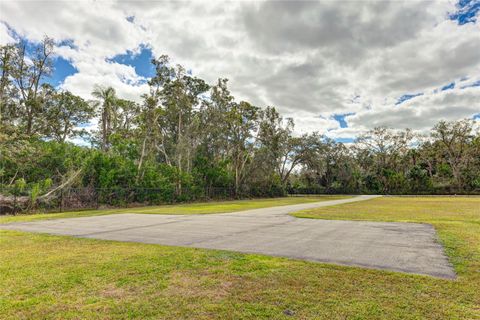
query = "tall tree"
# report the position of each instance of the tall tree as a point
(106, 104)
(242, 126)
(214, 115)
(64, 113)
(179, 96)
(456, 140)
(8, 92)
(29, 70)
(383, 150)
(280, 151)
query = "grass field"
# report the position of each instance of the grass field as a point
(52, 277)
(188, 208)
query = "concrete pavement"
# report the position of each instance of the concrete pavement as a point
(404, 247)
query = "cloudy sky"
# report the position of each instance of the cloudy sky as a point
(338, 67)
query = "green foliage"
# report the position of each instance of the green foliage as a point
(35, 160)
(418, 180)
(187, 138)
(444, 169)
(34, 193)
(210, 173)
(108, 171)
(19, 186)
(476, 183)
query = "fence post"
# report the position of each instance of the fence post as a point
(14, 204)
(96, 199)
(61, 200)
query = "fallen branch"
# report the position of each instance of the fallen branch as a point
(63, 185)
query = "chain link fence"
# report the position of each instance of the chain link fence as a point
(15, 201)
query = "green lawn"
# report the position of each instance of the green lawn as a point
(53, 277)
(188, 208)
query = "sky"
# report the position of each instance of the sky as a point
(336, 67)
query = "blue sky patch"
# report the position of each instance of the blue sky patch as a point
(345, 140)
(11, 32)
(62, 69)
(406, 97)
(85, 125)
(30, 46)
(448, 86)
(475, 84)
(67, 43)
(340, 118)
(466, 11)
(140, 61)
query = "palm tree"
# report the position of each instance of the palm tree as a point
(107, 102)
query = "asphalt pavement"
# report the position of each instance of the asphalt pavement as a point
(403, 247)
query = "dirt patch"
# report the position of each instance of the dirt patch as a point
(211, 286)
(114, 292)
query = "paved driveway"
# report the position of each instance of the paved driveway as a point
(404, 247)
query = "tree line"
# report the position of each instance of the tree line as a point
(187, 135)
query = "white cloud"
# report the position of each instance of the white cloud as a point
(5, 37)
(309, 59)
(422, 112)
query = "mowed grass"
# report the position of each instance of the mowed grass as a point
(403, 209)
(53, 277)
(456, 220)
(188, 208)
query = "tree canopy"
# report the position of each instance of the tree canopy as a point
(186, 135)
